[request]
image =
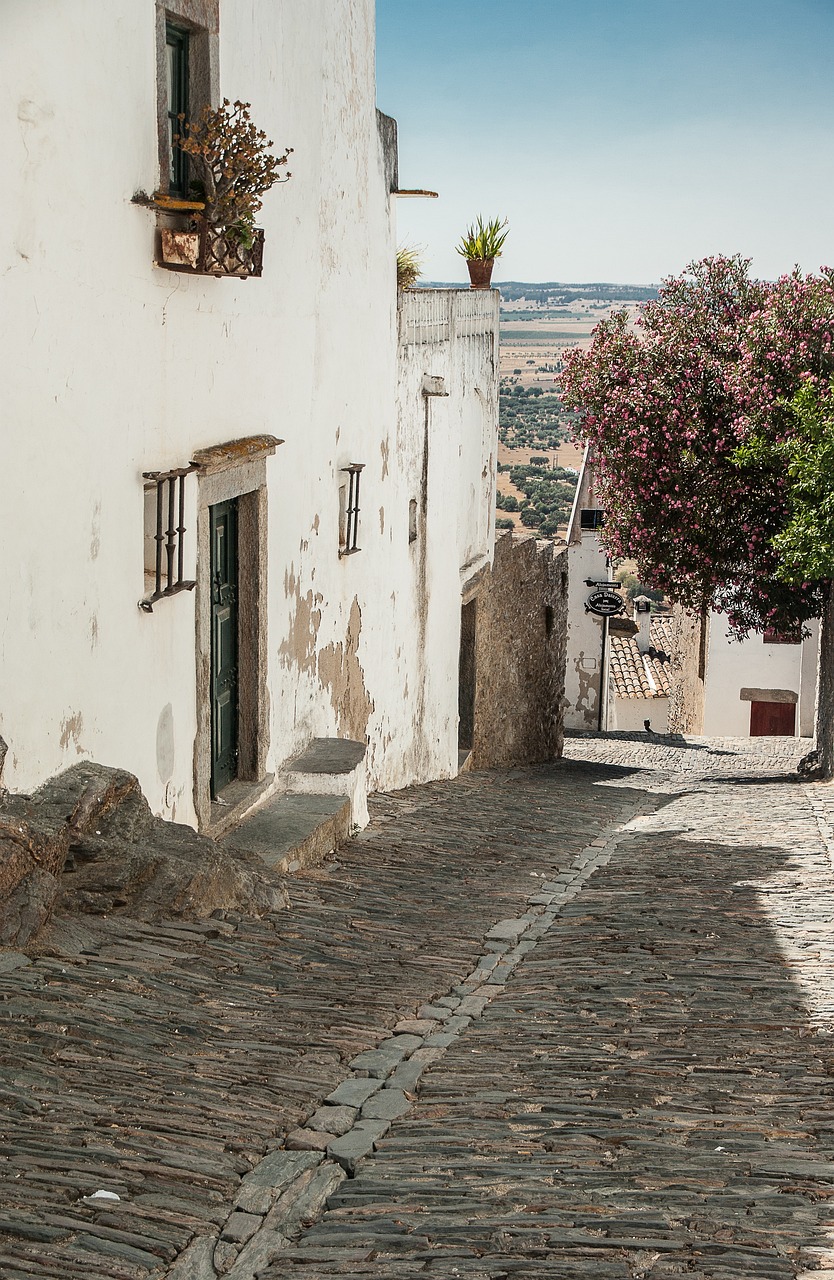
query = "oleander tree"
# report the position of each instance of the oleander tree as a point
(671, 405)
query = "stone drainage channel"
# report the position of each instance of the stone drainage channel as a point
(289, 1189)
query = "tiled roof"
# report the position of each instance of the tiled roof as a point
(642, 675)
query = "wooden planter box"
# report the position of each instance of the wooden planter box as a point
(212, 251)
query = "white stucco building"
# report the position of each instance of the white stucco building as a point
(226, 422)
(763, 686)
(588, 651)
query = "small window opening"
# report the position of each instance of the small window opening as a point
(412, 520)
(165, 534)
(772, 636)
(549, 619)
(349, 510)
(176, 83)
(591, 518)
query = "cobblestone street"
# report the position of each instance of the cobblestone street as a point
(565, 1021)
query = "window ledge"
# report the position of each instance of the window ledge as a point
(234, 453)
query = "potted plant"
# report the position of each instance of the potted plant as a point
(233, 169)
(409, 266)
(480, 246)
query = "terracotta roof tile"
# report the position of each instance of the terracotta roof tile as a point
(642, 675)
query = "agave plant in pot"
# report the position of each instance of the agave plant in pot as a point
(482, 243)
(232, 169)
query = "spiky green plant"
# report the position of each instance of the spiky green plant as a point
(409, 265)
(483, 240)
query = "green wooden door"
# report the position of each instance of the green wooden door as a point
(224, 645)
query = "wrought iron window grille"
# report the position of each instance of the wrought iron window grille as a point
(170, 534)
(348, 545)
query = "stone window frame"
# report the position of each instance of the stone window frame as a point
(200, 19)
(229, 471)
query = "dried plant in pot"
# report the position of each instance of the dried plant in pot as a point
(481, 244)
(233, 168)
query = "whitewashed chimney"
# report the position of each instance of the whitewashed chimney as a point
(643, 618)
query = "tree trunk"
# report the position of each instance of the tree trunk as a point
(702, 643)
(824, 720)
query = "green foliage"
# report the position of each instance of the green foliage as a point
(483, 240)
(506, 501)
(548, 497)
(504, 522)
(233, 164)
(409, 265)
(532, 418)
(634, 587)
(531, 517)
(806, 543)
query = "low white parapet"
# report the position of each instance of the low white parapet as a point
(439, 315)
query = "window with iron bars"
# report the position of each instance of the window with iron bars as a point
(165, 533)
(349, 509)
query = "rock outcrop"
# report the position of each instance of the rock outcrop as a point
(86, 841)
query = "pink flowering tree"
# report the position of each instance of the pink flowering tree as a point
(668, 403)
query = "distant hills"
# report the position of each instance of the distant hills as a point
(556, 293)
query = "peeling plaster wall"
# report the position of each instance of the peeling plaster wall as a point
(115, 366)
(442, 453)
(520, 640)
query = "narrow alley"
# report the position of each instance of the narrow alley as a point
(563, 1021)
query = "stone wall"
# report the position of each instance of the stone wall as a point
(686, 701)
(521, 630)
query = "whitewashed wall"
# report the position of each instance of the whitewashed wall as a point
(752, 664)
(630, 714)
(112, 366)
(583, 671)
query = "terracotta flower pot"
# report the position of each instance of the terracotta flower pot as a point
(480, 272)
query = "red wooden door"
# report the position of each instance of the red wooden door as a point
(772, 719)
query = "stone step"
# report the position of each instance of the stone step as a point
(334, 767)
(292, 831)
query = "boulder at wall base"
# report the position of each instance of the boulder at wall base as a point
(86, 841)
(33, 848)
(27, 908)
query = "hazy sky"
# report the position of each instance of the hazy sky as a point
(622, 138)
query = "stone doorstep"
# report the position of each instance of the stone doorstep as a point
(239, 799)
(293, 831)
(334, 767)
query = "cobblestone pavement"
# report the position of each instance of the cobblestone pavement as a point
(611, 987)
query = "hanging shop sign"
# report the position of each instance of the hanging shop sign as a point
(604, 602)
